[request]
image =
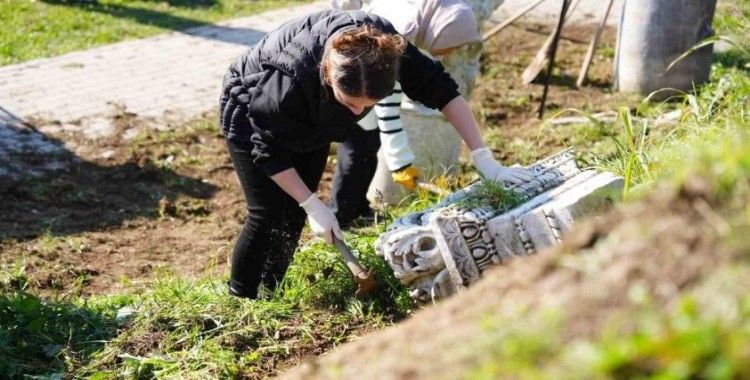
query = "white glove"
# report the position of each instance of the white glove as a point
(321, 218)
(493, 170)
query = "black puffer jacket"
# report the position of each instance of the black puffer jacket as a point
(274, 99)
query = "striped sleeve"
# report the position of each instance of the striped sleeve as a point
(393, 138)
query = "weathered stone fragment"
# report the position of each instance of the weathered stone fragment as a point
(441, 250)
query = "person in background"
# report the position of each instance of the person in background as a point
(435, 26)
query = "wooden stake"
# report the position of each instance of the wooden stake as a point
(556, 38)
(497, 28)
(592, 47)
(537, 65)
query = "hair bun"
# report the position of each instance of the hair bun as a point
(369, 40)
(364, 61)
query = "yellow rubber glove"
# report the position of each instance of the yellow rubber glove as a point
(406, 177)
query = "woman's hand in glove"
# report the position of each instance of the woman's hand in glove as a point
(406, 177)
(493, 170)
(322, 221)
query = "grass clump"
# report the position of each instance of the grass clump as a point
(487, 192)
(46, 337)
(319, 277)
(181, 328)
(192, 329)
(644, 150)
(678, 345)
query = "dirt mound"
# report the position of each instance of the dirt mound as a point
(664, 245)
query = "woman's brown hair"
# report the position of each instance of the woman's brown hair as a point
(363, 62)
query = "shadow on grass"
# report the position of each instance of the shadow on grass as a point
(42, 337)
(45, 188)
(168, 21)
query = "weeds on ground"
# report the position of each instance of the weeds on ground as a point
(643, 149)
(682, 342)
(702, 333)
(627, 155)
(185, 328)
(181, 328)
(46, 337)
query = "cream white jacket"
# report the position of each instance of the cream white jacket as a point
(386, 116)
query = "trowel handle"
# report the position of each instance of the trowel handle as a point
(349, 259)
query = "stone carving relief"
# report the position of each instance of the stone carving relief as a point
(445, 248)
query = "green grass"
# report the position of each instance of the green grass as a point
(182, 328)
(489, 192)
(36, 29)
(41, 336)
(731, 19)
(643, 151)
(710, 118)
(684, 342)
(705, 334)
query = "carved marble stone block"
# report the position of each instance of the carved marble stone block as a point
(443, 249)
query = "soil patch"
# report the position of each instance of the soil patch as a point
(123, 208)
(507, 108)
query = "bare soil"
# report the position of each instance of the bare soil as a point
(123, 209)
(508, 109)
(126, 207)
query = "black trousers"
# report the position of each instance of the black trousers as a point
(271, 232)
(357, 161)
